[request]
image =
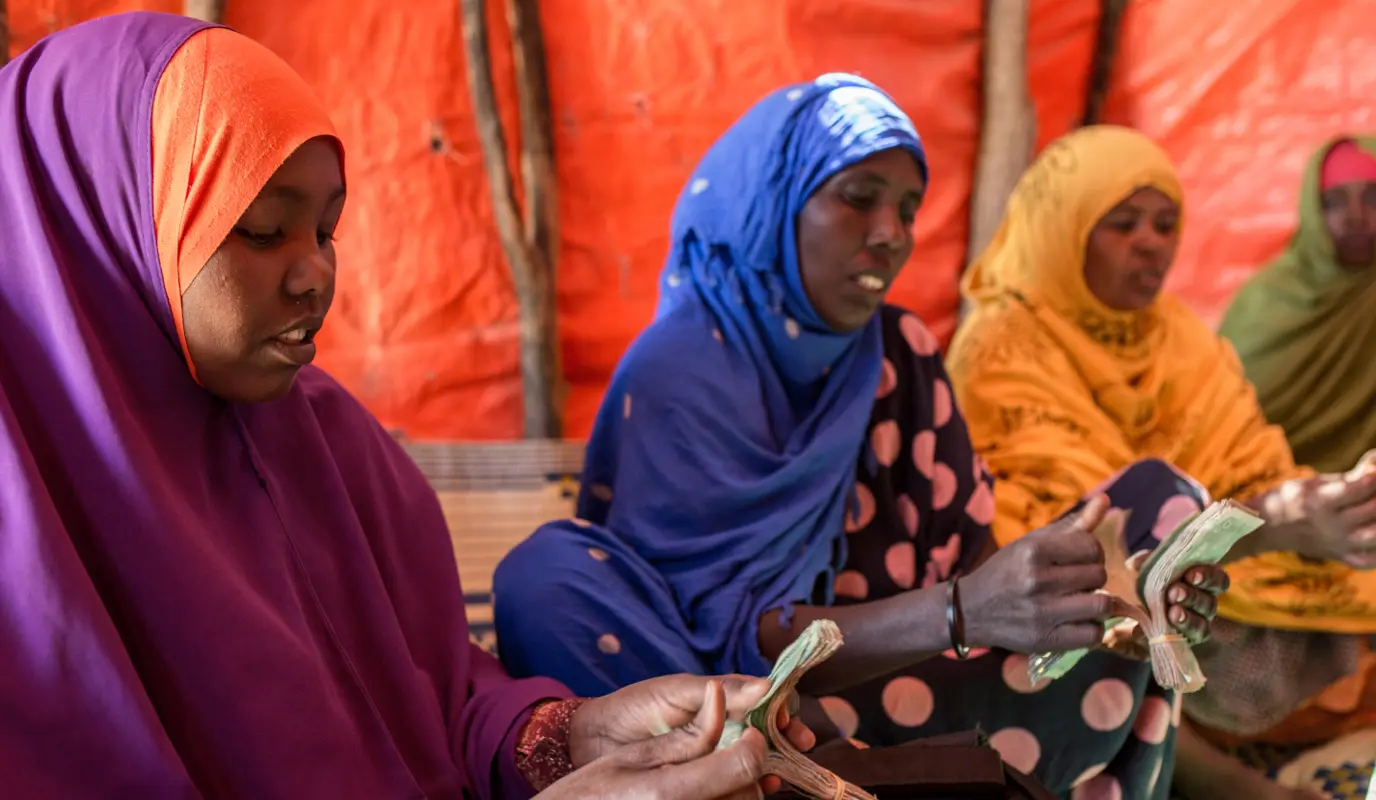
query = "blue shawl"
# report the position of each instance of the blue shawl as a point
(724, 452)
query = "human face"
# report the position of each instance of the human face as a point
(252, 313)
(855, 234)
(1349, 215)
(1130, 250)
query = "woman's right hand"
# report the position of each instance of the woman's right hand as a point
(1341, 510)
(682, 764)
(1037, 594)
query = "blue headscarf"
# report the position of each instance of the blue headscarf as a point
(722, 460)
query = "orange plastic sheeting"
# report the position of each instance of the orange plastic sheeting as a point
(1240, 94)
(424, 326)
(642, 89)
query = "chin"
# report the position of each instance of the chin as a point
(259, 388)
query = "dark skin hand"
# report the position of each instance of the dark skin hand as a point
(682, 763)
(1035, 595)
(672, 705)
(1336, 522)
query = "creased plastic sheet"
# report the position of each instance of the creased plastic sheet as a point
(1240, 94)
(424, 328)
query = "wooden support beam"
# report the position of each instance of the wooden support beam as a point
(207, 10)
(1008, 124)
(528, 239)
(1105, 53)
(4, 33)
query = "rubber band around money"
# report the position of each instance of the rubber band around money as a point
(840, 793)
(1165, 638)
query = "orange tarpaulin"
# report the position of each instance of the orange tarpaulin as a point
(424, 327)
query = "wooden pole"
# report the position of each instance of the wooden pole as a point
(4, 34)
(1008, 125)
(1105, 53)
(530, 266)
(207, 10)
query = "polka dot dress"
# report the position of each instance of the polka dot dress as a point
(921, 511)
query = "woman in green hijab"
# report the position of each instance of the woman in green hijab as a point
(1305, 325)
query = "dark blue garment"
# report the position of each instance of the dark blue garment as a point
(737, 363)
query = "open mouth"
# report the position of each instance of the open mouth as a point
(871, 282)
(297, 336)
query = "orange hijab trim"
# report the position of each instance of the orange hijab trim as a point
(228, 112)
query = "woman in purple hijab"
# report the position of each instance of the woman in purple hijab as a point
(219, 577)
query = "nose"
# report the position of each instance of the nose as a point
(311, 276)
(1148, 239)
(887, 229)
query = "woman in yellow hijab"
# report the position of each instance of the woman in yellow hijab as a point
(1074, 365)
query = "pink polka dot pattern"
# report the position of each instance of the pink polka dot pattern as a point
(924, 452)
(1101, 787)
(907, 511)
(626, 407)
(1015, 675)
(908, 701)
(1155, 776)
(1107, 704)
(945, 556)
(884, 440)
(609, 644)
(716, 334)
(852, 584)
(598, 553)
(582, 523)
(602, 492)
(1173, 512)
(900, 560)
(1018, 747)
(920, 339)
(842, 713)
(975, 652)
(888, 379)
(862, 512)
(941, 403)
(1153, 720)
(1089, 774)
(980, 507)
(943, 486)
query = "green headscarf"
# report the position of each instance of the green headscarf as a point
(1305, 329)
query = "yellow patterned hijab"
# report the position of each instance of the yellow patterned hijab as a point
(1061, 392)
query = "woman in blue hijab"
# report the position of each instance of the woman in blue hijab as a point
(780, 446)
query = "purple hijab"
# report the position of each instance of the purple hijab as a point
(198, 598)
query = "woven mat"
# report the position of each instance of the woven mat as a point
(494, 495)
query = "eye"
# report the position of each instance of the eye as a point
(859, 199)
(907, 211)
(1121, 224)
(259, 240)
(1166, 226)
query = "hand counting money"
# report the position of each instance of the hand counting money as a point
(815, 645)
(1204, 539)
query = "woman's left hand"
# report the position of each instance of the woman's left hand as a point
(1191, 604)
(659, 705)
(1192, 601)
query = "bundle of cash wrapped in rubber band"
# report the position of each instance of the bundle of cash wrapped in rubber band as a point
(815, 645)
(1203, 539)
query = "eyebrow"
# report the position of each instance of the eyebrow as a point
(869, 176)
